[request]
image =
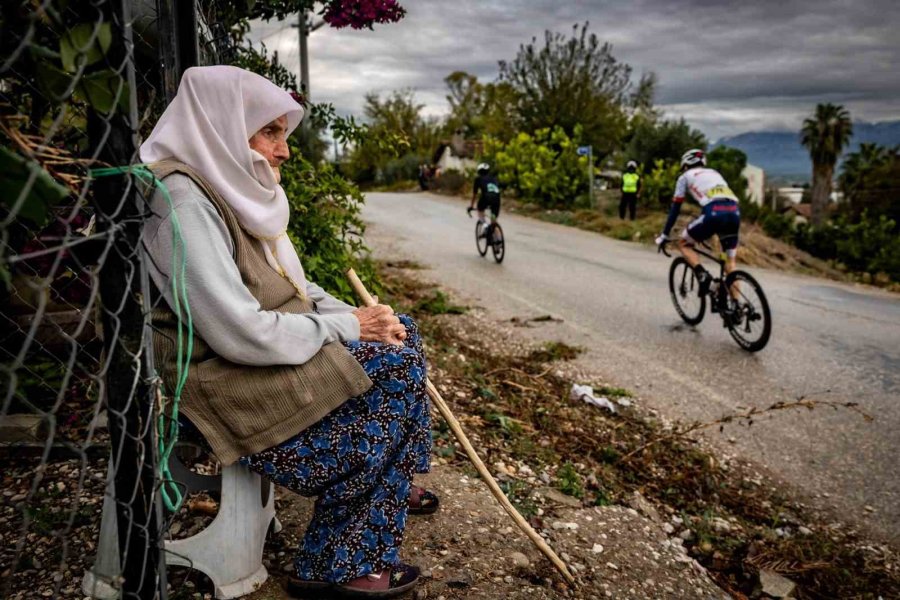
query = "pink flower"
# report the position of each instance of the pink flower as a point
(360, 14)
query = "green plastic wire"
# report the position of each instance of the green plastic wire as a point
(167, 439)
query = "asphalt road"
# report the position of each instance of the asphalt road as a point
(830, 341)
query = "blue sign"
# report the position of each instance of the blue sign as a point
(583, 150)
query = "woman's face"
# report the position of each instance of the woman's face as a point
(271, 142)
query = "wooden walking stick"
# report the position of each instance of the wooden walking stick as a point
(455, 427)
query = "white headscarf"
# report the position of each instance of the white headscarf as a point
(208, 127)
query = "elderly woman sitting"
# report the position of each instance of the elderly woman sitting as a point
(324, 398)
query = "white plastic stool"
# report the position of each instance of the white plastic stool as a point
(229, 551)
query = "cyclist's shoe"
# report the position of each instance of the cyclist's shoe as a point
(732, 311)
(704, 279)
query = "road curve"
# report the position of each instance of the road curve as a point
(830, 342)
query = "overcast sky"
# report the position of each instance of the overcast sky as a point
(726, 66)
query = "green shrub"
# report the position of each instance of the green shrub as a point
(658, 185)
(870, 245)
(544, 168)
(867, 245)
(405, 168)
(569, 481)
(438, 304)
(326, 226)
(777, 225)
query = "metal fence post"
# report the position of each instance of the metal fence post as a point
(187, 23)
(128, 393)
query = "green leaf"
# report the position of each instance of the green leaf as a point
(43, 194)
(81, 40)
(5, 277)
(99, 90)
(52, 81)
(37, 51)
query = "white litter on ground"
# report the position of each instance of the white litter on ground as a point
(586, 393)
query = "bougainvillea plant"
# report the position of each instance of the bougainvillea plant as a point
(360, 14)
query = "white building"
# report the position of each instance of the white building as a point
(794, 194)
(458, 154)
(449, 160)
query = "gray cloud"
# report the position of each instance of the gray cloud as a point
(726, 66)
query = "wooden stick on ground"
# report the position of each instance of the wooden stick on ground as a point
(456, 428)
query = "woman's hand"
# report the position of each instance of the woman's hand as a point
(379, 324)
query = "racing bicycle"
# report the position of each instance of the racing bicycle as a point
(740, 302)
(496, 243)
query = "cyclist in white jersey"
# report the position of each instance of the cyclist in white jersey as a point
(721, 215)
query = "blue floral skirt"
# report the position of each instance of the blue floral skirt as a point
(359, 461)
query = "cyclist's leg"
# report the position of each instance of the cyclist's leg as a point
(729, 237)
(494, 205)
(482, 205)
(696, 232)
(699, 230)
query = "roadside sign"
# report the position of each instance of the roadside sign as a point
(583, 150)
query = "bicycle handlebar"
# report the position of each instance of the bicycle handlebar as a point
(662, 248)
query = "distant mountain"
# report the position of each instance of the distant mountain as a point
(780, 154)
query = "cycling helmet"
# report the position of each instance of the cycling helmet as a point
(693, 158)
(483, 167)
(631, 165)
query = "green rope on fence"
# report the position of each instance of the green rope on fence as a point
(168, 436)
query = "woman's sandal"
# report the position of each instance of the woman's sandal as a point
(387, 584)
(422, 501)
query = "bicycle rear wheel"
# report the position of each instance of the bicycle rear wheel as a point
(748, 319)
(685, 291)
(498, 245)
(481, 241)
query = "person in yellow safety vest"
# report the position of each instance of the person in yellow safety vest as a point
(631, 190)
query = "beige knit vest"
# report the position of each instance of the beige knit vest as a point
(243, 409)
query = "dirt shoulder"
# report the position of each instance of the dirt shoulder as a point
(732, 517)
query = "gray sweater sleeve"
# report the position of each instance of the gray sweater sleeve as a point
(224, 313)
(325, 302)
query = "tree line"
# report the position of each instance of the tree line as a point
(564, 91)
(557, 93)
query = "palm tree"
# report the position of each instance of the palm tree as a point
(825, 135)
(859, 164)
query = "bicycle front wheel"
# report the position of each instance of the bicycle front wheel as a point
(748, 317)
(498, 246)
(481, 241)
(685, 290)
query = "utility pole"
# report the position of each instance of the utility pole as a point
(303, 27)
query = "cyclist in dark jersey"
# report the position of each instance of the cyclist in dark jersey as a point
(486, 190)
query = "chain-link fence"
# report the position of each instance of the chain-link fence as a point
(79, 419)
